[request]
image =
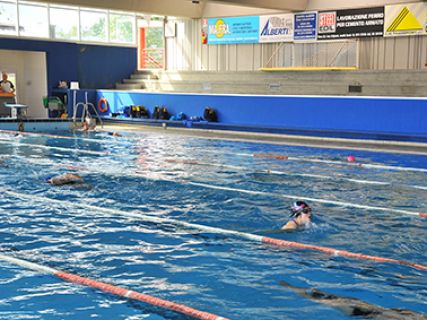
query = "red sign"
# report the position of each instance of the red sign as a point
(327, 21)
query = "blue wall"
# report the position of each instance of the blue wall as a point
(93, 66)
(377, 115)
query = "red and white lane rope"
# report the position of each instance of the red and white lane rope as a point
(332, 162)
(119, 291)
(238, 234)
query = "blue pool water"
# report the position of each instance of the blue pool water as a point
(172, 176)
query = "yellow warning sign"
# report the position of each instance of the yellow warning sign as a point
(407, 19)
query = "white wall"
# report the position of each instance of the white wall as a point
(393, 53)
(31, 78)
(186, 52)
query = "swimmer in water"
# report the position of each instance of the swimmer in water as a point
(354, 307)
(89, 124)
(300, 217)
(114, 134)
(66, 178)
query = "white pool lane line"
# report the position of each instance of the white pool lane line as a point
(119, 291)
(211, 186)
(12, 134)
(274, 156)
(276, 172)
(194, 162)
(294, 197)
(40, 146)
(296, 174)
(215, 230)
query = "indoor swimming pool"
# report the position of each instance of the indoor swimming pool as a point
(196, 221)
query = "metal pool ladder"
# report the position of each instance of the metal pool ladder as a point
(85, 112)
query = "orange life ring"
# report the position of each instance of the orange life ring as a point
(103, 105)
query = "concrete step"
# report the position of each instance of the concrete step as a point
(143, 76)
(288, 89)
(386, 75)
(374, 83)
(129, 86)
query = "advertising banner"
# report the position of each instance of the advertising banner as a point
(233, 30)
(351, 23)
(277, 28)
(405, 19)
(305, 26)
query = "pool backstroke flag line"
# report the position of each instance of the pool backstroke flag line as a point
(406, 19)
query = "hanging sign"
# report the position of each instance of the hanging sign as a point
(277, 28)
(406, 19)
(305, 26)
(351, 23)
(233, 30)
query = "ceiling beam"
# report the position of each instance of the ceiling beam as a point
(283, 5)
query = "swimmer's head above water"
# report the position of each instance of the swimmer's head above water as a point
(298, 208)
(300, 216)
(66, 178)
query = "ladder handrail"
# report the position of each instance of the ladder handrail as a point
(85, 111)
(90, 104)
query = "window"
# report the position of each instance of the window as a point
(33, 20)
(93, 25)
(122, 28)
(8, 18)
(64, 23)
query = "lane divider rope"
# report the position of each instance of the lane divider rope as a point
(119, 291)
(354, 164)
(216, 230)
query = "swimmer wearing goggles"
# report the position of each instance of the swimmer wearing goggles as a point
(300, 216)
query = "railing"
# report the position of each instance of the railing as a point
(152, 58)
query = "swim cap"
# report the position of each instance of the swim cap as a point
(47, 178)
(298, 207)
